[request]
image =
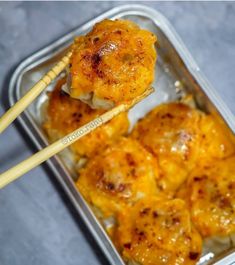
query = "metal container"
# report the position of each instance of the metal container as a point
(177, 75)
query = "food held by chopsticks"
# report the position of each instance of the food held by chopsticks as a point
(58, 146)
(156, 231)
(64, 114)
(112, 64)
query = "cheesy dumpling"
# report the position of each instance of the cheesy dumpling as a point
(114, 63)
(156, 231)
(65, 114)
(120, 175)
(209, 193)
(181, 138)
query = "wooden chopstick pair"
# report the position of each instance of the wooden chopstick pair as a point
(15, 172)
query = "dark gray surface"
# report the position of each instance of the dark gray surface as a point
(37, 222)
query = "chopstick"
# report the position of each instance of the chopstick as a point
(23, 103)
(12, 174)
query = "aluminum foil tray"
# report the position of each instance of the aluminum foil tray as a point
(177, 75)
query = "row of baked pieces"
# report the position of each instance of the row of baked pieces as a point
(135, 183)
(128, 182)
(122, 183)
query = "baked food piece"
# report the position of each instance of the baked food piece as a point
(181, 138)
(64, 114)
(156, 231)
(120, 175)
(209, 193)
(112, 64)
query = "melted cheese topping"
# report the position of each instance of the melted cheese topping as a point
(181, 137)
(209, 193)
(64, 115)
(124, 173)
(158, 232)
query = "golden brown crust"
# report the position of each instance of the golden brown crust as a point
(170, 132)
(209, 193)
(128, 180)
(157, 231)
(114, 62)
(124, 173)
(181, 137)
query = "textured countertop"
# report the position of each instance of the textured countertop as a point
(37, 222)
